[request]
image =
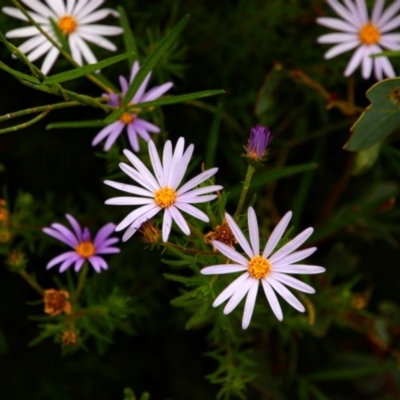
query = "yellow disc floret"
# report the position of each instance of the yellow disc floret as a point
(165, 197)
(369, 34)
(127, 118)
(67, 24)
(259, 267)
(85, 249)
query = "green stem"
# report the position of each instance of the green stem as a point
(246, 186)
(32, 283)
(59, 48)
(81, 282)
(25, 124)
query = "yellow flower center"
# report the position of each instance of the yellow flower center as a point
(67, 24)
(85, 249)
(369, 34)
(165, 197)
(259, 267)
(127, 118)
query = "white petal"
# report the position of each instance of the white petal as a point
(167, 159)
(40, 8)
(187, 198)
(30, 44)
(277, 234)
(98, 40)
(14, 12)
(75, 49)
(296, 256)
(343, 12)
(330, 38)
(355, 11)
(298, 269)
(142, 169)
(249, 305)
(136, 176)
(341, 48)
(272, 299)
(23, 32)
(366, 66)
(49, 60)
(336, 23)
(244, 244)
(393, 24)
(378, 69)
(253, 231)
(222, 269)
(88, 8)
(139, 221)
(377, 11)
(39, 51)
(200, 191)
(181, 167)
(129, 201)
(95, 16)
(229, 290)
(180, 221)
(156, 164)
(101, 30)
(292, 282)
(239, 294)
(134, 215)
(193, 211)
(286, 294)
(362, 8)
(167, 225)
(387, 67)
(230, 253)
(79, 5)
(70, 6)
(129, 188)
(176, 158)
(84, 49)
(388, 14)
(196, 180)
(294, 244)
(57, 6)
(355, 61)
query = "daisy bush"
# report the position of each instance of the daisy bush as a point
(198, 199)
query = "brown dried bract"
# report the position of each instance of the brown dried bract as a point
(69, 338)
(222, 233)
(56, 302)
(150, 233)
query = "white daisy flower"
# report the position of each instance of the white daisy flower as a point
(365, 34)
(74, 19)
(160, 191)
(269, 269)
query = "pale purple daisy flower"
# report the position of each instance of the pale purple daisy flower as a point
(269, 268)
(160, 191)
(367, 34)
(84, 247)
(75, 20)
(135, 125)
(260, 138)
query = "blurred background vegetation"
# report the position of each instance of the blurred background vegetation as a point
(265, 56)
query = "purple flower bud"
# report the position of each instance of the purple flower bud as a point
(260, 138)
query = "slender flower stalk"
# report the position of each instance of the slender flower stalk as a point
(135, 126)
(84, 249)
(267, 267)
(75, 21)
(161, 191)
(367, 34)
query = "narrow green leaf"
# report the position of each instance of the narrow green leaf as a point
(129, 39)
(113, 116)
(61, 38)
(386, 54)
(178, 99)
(19, 75)
(85, 70)
(152, 59)
(274, 175)
(75, 124)
(129, 395)
(380, 118)
(350, 373)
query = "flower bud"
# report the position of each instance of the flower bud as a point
(260, 138)
(56, 302)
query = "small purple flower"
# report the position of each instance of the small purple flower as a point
(84, 247)
(260, 138)
(135, 126)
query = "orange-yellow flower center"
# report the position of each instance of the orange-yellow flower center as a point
(165, 197)
(259, 267)
(369, 34)
(85, 249)
(127, 118)
(67, 24)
